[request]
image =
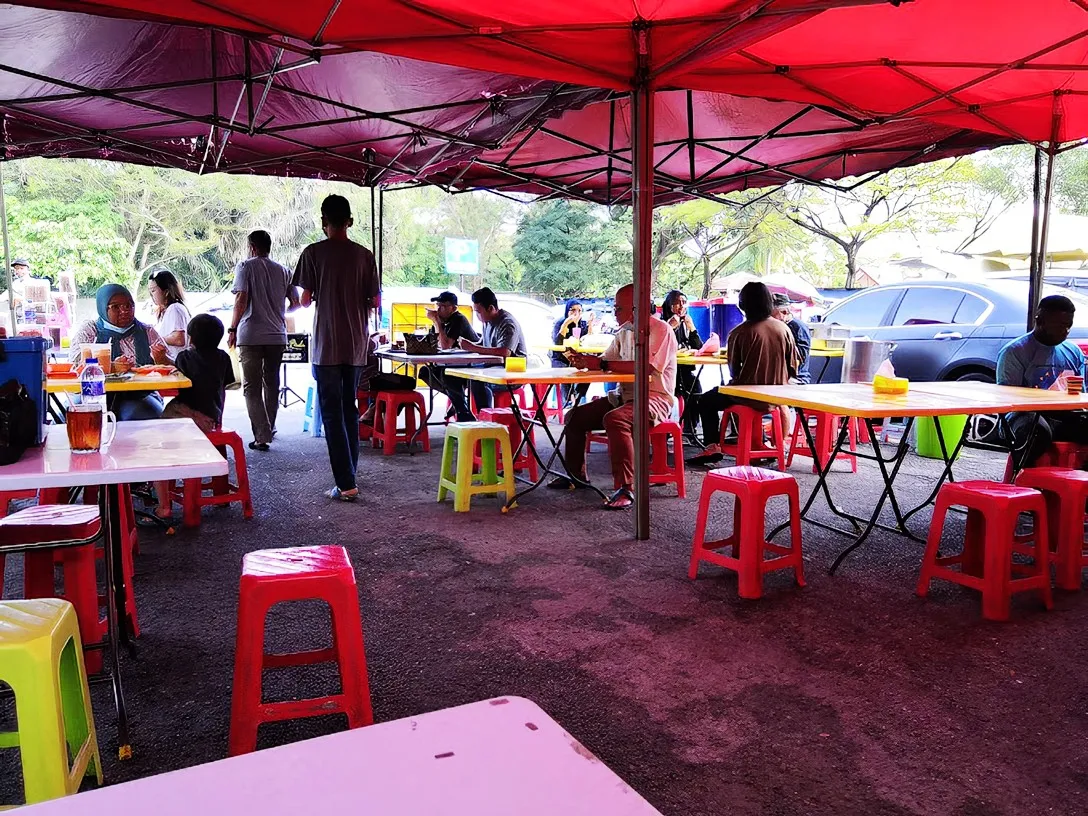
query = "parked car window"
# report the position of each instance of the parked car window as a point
(972, 308)
(923, 305)
(864, 311)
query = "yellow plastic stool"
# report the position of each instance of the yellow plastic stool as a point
(462, 438)
(41, 659)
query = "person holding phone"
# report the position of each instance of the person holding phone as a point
(570, 325)
(674, 311)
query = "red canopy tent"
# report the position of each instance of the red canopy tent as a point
(1003, 68)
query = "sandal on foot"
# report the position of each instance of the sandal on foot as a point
(342, 495)
(564, 483)
(620, 500)
(258, 446)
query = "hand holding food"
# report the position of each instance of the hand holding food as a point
(122, 365)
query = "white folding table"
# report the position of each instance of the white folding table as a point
(492, 758)
(142, 451)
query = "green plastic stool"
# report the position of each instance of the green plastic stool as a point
(42, 660)
(461, 439)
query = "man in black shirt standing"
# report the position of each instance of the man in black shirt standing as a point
(451, 326)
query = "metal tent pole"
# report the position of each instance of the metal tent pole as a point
(642, 130)
(1035, 278)
(7, 252)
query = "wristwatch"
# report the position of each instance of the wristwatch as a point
(232, 330)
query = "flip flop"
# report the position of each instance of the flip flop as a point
(339, 495)
(615, 501)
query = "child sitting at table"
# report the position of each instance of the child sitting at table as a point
(210, 370)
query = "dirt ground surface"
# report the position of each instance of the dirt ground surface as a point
(851, 695)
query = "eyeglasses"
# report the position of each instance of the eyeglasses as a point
(120, 307)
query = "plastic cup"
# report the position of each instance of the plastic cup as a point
(85, 425)
(102, 352)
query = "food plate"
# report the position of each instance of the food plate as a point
(63, 375)
(161, 370)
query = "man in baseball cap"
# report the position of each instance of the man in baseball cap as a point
(801, 336)
(451, 326)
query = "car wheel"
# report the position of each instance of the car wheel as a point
(976, 376)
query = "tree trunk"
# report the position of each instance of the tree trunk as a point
(706, 276)
(851, 268)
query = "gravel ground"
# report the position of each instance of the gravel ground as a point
(849, 696)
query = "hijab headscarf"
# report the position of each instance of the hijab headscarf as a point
(557, 337)
(109, 333)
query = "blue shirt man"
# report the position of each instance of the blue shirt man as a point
(1036, 360)
(801, 336)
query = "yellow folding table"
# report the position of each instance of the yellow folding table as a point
(922, 400)
(551, 379)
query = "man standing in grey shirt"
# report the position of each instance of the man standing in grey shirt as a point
(341, 277)
(502, 338)
(262, 292)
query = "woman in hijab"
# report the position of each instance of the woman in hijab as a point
(569, 325)
(674, 311)
(132, 344)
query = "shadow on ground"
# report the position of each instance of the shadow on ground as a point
(850, 696)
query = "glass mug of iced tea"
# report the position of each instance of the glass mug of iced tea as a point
(85, 428)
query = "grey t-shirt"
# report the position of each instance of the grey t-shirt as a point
(266, 283)
(343, 278)
(505, 332)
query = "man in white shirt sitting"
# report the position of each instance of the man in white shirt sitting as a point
(615, 413)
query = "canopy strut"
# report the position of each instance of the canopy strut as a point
(7, 253)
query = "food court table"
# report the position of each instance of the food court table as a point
(922, 400)
(551, 379)
(453, 357)
(496, 757)
(137, 382)
(141, 451)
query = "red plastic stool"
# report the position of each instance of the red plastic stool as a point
(749, 446)
(751, 488)
(661, 472)
(555, 412)
(828, 427)
(389, 404)
(986, 563)
(505, 417)
(130, 548)
(302, 573)
(1071, 455)
(73, 529)
(223, 492)
(364, 398)
(1065, 493)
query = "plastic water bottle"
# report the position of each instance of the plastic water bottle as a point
(92, 383)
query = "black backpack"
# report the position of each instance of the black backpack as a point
(18, 421)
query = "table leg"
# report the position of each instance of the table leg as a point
(557, 444)
(946, 474)
(116, 617)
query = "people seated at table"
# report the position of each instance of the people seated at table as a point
(1037, 360)
(502, 338)
(802, 338)
(761, 351)
(450, 326)
(572, 325)
(615, 412)
(373, 380)
(674, 311)
(210, 370)
(171, 314)
(132, 343)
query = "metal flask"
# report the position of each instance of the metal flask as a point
(863, 357)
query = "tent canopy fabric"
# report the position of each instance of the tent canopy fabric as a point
(1006, 67)
(208, 100)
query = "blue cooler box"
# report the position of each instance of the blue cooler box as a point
(24, 360)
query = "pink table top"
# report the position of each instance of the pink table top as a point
(142, 451)
(493, 758)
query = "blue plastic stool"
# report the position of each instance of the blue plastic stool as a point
(311, 423)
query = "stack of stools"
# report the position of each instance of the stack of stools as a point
(222, 491)
(1065, 492)
(751, 488)
(386, 436)
(986, 563)
(505, 417)
(64, 533)
(749, 446)
(462, 439)
(270, 577)
(41, 659)
(828, 428)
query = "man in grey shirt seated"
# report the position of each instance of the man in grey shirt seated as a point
(502, 338)
(262, 295)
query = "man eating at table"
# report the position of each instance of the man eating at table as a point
(615, 413)
(503, 337)
(450, 327)
(1038, 360)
